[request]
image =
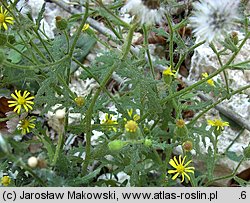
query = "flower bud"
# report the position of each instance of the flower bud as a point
(246, 152)
(235, 38)
(116, 145)
(60, 114)
(80, 101)
(42, 163)
(167, 79)
(61, 23)
(187, 145)
(148, 142)
(181, 128)
(32, 162)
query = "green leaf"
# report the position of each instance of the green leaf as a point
(233, 156)
(40, 16)
(111, 17)
(14, 56)
(80, 181)
(49, 147)
(242, 182)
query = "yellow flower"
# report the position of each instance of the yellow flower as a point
(21, 101)
(131, 126)
(85, 27)
(218, 123)
(4, 19)
(168, 71)
(80, 101)
(210, 81)
(180, 123)
(180, 168)
(26, 124)
(5, 180)
(109, 121)
(135, 117)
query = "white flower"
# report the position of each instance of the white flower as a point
(212, 18)
(145, 11)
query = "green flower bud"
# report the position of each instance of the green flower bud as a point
(3, 39)
(167, 79)
(148, 142)
(116, 145)
(235, 38)
(61, 23)
(181, 128)
(246, 152)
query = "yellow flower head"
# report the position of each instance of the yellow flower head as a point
(80, 101)
(26, 124)
(5, 19)
(210, 81)
(21, 101)
(180, 123)
(134, 117)
(85, 27)
(181, 168)
(131, 126)
(218, 123)
(109, 121)
(168, 71)
(5, 181)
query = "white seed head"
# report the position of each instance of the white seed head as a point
(144, 11)
(212, 18)
(32, 162)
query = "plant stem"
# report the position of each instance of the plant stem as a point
(97, 80)
(44, 45)
(239, 134)
(221, 64)
(58, 148)
(128, 42)
(89, 112)
(88, 117)
(18, 51)
(182, 58)
(171, 42)
(79, 30)
(216, 103)
(22, 67)
(67, 40)
(191, 87)
(145, 32)
(226, 176)
(124, 24)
